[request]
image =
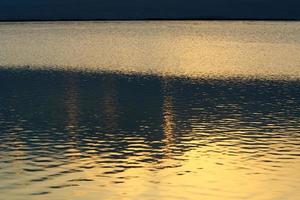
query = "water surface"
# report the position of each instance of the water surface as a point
(150, 110)
(196, 49)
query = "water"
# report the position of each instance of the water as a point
(150, 110)
(168, 48)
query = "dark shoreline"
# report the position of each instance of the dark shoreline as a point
(149, 19)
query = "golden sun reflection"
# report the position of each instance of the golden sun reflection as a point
(168, 118)
(136, 132)
(193, 49)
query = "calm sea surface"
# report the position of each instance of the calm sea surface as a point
(150, 110)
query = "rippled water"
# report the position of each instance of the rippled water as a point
(143, 131)
(171, 48)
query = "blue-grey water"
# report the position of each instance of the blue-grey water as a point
(150, 110)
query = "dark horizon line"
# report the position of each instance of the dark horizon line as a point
(153, 19)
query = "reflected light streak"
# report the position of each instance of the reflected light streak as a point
(168, 117)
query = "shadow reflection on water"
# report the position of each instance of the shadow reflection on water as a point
(55, 126)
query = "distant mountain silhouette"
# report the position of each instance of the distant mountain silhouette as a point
(148, 9)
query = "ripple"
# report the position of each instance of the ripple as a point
(222, 137)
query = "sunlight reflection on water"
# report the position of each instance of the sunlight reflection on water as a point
(168, 48)
(131, 134)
